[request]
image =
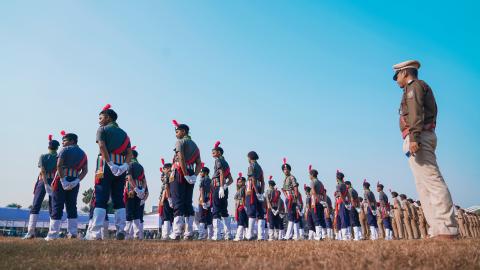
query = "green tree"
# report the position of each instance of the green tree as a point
(87, 198)
(14, 205)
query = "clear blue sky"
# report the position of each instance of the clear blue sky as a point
(305, 80)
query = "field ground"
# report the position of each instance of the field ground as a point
(151, 254)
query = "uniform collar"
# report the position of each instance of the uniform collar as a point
(410, 82)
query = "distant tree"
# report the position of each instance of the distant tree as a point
(44, 205)
(87, 198)
(85, 209)
(14, 205)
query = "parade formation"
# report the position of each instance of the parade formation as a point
(264, 209)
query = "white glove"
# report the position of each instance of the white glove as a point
(74, 183)
(260, 197)
(204, 206)
(121, 169)
(324, 204)
(113, 167)
(48, 189)
(140, 193)
(142, 202)
(275, 212)
(207, 204)
(221, 193)
(65, 184)
(170, 202)
(191, 179)
(374, 212)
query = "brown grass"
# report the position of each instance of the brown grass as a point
(76, 254)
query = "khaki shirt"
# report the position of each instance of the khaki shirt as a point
(418, 109)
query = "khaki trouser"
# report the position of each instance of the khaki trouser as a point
(398, 219)
(381, 230)
(423, 229)
(394, 228)
(408, 226)
(363, 223)
(414, 228)
(431, 187)
(462, 228)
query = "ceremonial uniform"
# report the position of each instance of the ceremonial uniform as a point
(317, 204)
(240, 214)
(273, 212)
(48, 164)
(370, 207)
(414, 220)
(182, 191)
(328, 217)
(407, 216)
(362, 216)
(342, 208)
(418, 115)
(205, 207)
(108, 184)
(220, 205)
(308, 215)
(133, 197)
(422, 223)
(289, 184)
(384, 212)
(165, 210)
(354, 218)
(65, 190)
(254, 200)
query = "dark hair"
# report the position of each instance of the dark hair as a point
(286, 166)
(183, 127)
(135, 153)
(403, 196)
(220, 149)
(110, 113)
(206, 170)
(271, 183)
(380, 186)
(348, 183)
(366, 185)
(340, 175)
(53, 144)
(253, 155)
(167, 166)
(71, 137)
(314, 173)
(394, 194)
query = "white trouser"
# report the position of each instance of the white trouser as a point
(202, 234)
(261, 229)
(32, 224)
(239, 235)
(189, 227)
(136, 229)
(251, 223)
(97, 224)
(178, 223)
(318, 233)
(226, 228)
(120, 220)
(295, 232)
(72, 227)
(216, 231)
(288, 234)
(53, 230)
(166, 229)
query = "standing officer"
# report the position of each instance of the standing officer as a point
(422, 222)
(273, 209)
(185, 170)
(204, 203)
(221, 179)
(165, 210)
(397, 214)
(407, 216)
(354, 218)
(112, 165)
(290, 190)
(254, 197)
(342, 208)
(240, 213)
(72, 167)
(384, 212)
(317, 204)
(48, 166)
(418, 119)
(370, 207)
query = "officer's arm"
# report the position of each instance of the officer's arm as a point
(84, 171)
(201, 199)
(60, 167)
(43, 175)
(198, 165)
(222, 177)
(104, 151)
(130, 181)
(230, 180)
(415, 100)
(129, 156)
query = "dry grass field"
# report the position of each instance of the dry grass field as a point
(77, 254)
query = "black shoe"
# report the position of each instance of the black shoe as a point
(120, 236)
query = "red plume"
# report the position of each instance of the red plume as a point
(270, 178)
(108, 106)
(161, 170)
(284, 161)
(304, 186)
(134, 147)
(240, 175)
(50, 137)
(338, 170)
(175, 123)
(309, 168)
(217, 143)
(163, 161)
(202, 165)
(63, 133)
(364, 180)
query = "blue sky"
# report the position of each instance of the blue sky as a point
(306, 80)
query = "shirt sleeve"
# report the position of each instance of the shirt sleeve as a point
(40, 162)
(250, 171)
(100, 134)
(415, 100)
(179, 146)
(130, 169)
(294, 181)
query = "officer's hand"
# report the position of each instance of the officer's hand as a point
(414, 147)
(221, 193)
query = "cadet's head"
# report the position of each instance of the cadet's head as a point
(181, 130)
(313, 174)
(68, 139)
(340, 175)
(107, 116)
(204, 172)
(134, 152)
(418, 203)
(366, 185)
(52, 144)
(379, 187)
(271, 183)
(457, 207)
(410, 200)
(167, 167)
(394, 194)
(252, 156)
(360, 199)
(286, 168)
(240, 180)
(217, 151)
(348, 183)
(307, 189)
(403, 196)
(405, 71)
